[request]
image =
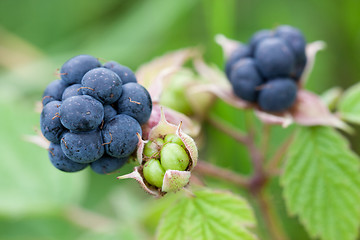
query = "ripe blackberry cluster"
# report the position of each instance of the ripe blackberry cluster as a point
(92, 114)
(266, 70)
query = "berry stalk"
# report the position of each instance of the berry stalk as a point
(256, 183)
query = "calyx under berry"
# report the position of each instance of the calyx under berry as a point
(166, 159)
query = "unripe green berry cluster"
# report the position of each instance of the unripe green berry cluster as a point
(164, 154)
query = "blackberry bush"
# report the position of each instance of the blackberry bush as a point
(101, 115)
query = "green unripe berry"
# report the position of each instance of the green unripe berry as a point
(173, 138)
(154, 172)
(174, 157)
(152, 147)
(175, 96)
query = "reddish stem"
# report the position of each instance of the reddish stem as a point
(205, 168)
(257, 182)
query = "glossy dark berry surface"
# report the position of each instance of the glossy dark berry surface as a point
(266, 71)
(50, 124)
(102, 84)
(82, 147)
(278, 95)
(258, 37)
(53, 91)
(274, 58)
(107, 164)
(61, 162)
(125, 73)
(119, 135)
(242, 51)
(92, 115)
(72, 90)
(135, 101)
(245, 79)
(294, 39)
(81, 113)
(109, 112)
(75, 68)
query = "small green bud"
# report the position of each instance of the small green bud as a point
(174, 157)
(172, 171)
(173, 138)
(153, 147)
(154, 172)
(175, 96)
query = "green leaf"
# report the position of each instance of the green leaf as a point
(322, 184)
(29, 183)
(331, 97)
(349, 105)
(208, 215)
(155, 208)
(50, 226)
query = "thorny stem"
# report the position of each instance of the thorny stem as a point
(264, 145)
(273, 165)
(249, 122)
(257, 182)
(259, 177)
(228, 130)
(269, 216)
(206, 168)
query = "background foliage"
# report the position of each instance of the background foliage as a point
(36, 37)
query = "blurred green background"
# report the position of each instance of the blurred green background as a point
(36, 37)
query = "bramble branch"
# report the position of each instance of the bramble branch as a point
(255, 183)
(205, 168)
